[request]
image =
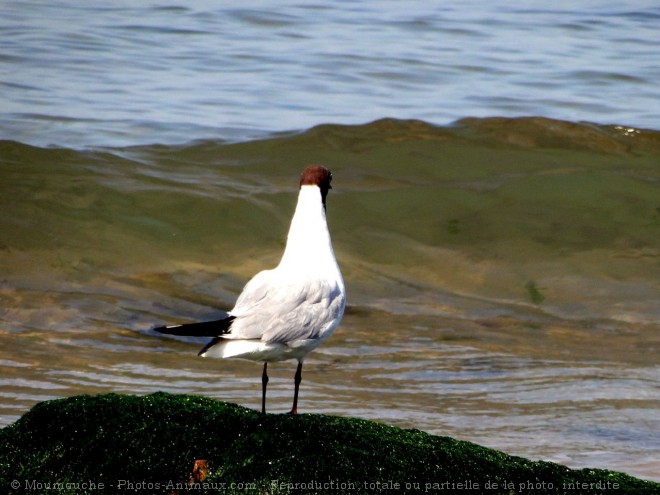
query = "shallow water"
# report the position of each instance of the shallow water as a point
(502, 277)
(502, 273)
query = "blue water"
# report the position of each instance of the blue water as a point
(121, 73)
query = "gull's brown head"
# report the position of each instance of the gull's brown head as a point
(317, 175)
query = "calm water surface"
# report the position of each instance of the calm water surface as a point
(124, 73)
(502, 272)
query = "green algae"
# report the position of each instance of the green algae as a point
(131, 444)
(535, 294)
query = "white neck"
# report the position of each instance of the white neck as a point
(308, 246)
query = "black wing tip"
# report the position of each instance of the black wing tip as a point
(202, 329)
(169, 329)
(211, 343)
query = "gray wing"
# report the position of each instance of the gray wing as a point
(277, 310)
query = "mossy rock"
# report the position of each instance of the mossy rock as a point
(132, 444)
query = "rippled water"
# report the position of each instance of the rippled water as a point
(502, 273)
(502, 277)
(126, 73)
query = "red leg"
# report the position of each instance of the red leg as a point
(296, 380)
(264, 382)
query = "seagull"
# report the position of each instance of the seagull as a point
(286, 312)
